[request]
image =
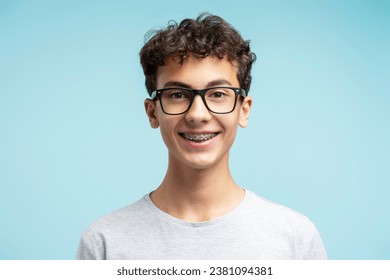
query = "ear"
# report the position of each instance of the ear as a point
(245, 110)
(150, 109)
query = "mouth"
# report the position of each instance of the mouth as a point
(198, 137)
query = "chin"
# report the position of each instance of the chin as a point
(203, 163)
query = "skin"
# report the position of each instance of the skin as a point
(198, 185)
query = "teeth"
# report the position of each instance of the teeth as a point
(199, 137)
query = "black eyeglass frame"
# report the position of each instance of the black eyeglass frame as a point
(238, 91)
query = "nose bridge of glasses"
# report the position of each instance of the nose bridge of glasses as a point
(200, 94)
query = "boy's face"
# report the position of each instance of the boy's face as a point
(179, 131)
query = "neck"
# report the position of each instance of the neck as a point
(197, 195)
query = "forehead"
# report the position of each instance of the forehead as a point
(196, 72)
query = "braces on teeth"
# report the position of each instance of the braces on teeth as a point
(199, 137)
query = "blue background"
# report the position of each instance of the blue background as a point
(75, 143)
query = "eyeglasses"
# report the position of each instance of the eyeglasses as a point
(218, 100)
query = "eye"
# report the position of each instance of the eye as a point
(176, 94)
(217, 94)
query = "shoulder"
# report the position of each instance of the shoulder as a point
(265, 209)
(114, 226)
(282, 220)
(117, 223)
(117, 220)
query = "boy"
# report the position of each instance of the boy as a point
(198, 78)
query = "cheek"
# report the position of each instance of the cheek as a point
(231, 128)
(232, 135)
(165, 137)
(167, 130)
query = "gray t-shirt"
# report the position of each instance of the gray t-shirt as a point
(256, 229)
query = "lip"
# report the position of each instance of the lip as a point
(199, 132)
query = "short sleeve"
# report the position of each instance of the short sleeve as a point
(310, 245)
(84, 251)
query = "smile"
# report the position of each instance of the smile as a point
(198, 137)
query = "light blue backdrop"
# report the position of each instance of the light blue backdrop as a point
(75, 143)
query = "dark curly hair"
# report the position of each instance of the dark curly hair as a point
(207, 35)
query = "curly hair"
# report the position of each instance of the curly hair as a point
(207, 35)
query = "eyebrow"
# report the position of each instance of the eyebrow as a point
(219, 83)
(214, 83)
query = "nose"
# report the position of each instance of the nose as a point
(198, 111)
